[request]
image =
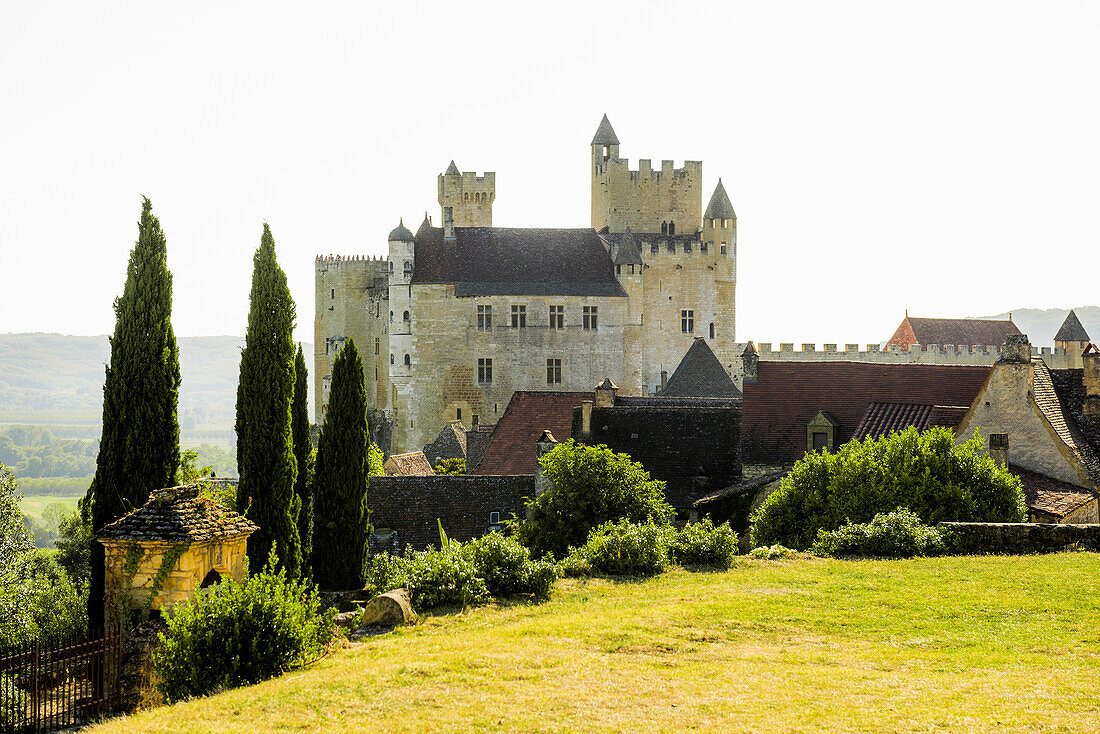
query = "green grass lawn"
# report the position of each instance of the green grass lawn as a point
(982, 644)
(34, 504)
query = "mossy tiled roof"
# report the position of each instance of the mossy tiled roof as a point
(179, 515)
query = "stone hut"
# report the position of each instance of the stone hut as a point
(177, 542)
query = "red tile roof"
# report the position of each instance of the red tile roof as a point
(881, 419)
(987, 332)
(787, 395)
(512, 448)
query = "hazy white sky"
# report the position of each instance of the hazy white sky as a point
(935, 156)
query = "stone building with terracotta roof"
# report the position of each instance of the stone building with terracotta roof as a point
(463, 314)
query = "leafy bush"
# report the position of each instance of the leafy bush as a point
(507, 567)
(703, 544)
(238, 633)
(628, 548)
(587, 486)
(13, 703)
(771, 553)
(450, 466)
(898, 534)
(57, 607)
(925, 472)
(434, 578)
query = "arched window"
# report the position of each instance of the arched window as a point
(672, 228)
(408, 360)
(711, 329)
(392, 361)
(664, 227)
(405, 317)
(408, 268)
(391, 316)
(391, 266)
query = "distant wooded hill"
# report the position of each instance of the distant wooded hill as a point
(58, 379)
(1041, 324)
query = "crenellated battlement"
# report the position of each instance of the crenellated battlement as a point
(363, 262)
(940, 354)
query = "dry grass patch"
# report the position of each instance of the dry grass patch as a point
(956, 644)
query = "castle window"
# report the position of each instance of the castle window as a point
(723, 249)
(484, 317)
(557, 317)
(405, 317)
(333, 294)
(391, 266)
(519, 317)
(391, 316)
(458, 414)
(687, 321)
(711, 329)
(484, 371)
(671, 228)
(588, 314)
(377, 344)
(654, 248)
(703, 247)
(408, 269)
(408, 361)
(553, 371)
(687, 247)
(664, 227)
(618, 270)
(392, 360)
(494, 518)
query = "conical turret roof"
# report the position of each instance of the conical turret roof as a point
(452, 170)
(1071, 330)
(720, 206)
(605, 134)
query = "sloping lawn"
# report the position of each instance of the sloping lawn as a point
(803, 644)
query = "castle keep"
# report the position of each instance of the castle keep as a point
(458, 317)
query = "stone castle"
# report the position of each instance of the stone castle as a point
(459, 317)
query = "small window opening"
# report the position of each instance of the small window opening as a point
(664, 227)
(458, 414)
(333, 294)
(405, 316)
(671, 228)
(408, 361)
(712, 330)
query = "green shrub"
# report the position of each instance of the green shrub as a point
(58, 608)
(576, 564)
(587, 486)
(628, 548)
(771, 553)
(703, 544)
(898, 534)
(13, 703)
(239, 633)
(434, 578)
(507, 567)
(925, 472)
(450, 466)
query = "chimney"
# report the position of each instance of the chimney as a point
(543, 446)
(1091, 378)
(1016, 350)
(750, 360)
(664, 380)
(586, 418)
(998, 448)
(449, 223)
(605, 393)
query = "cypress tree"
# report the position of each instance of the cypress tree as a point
(265, 447)
(139, 444)
(303, 450)
(340, 523)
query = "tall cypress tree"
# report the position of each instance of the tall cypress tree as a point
(303, 450)
(340, 522)
(265, 446)
(139, 446)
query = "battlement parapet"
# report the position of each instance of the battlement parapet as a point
(940, 354)
(645, 168)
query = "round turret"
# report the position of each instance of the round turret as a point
(401, 234)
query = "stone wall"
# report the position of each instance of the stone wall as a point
(405, 509)
(137, 678)
(1022, 538)
(643, 199)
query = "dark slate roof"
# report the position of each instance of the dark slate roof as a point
(511, 450)
(179, 515)
(1072, 330)
(449, 444)
(720, 206)
(401, 233)
(605, 135)
(500, 261)
(882, 419)
(627, 252)
(1050, 496)
(452, 170)
(700, 375)
(787, 395)
(407, 465)
(477, 443)
(952, 331)
(1057, 407)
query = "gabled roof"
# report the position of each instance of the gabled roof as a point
(180, 514)
(605, 134)
(882, 419)
(986, 332)
(627, 253)
(408, 465)
(485, 261)
(1051, 496)
(787, 395)
(700, 375)
(1060, 395)
(1071, 330)
(720, 206)
(451, 442)
(452, 170)
(512, 447)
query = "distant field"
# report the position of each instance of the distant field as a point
(34, 504)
